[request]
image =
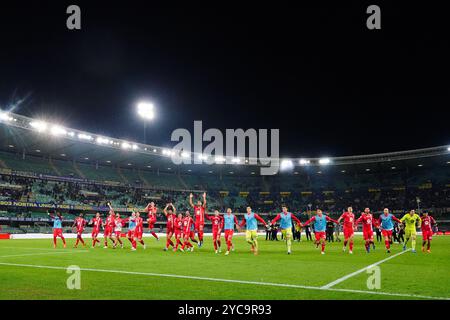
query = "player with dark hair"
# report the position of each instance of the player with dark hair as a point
(108, 227)
(170, 213)
(79, 223)
(427, 231)
(286, 225)
(349, 228)
(217, 226)
(251, 223)
(367, 221)
(199, 213)
(320, 224)
(151, 210)
(96, 223)
(57, 228)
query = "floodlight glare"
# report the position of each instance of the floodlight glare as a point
(83, 136)
(39, 125)
(126, 145)
(286, 164)
(448, 149)
(101, 140)
(219, 159)
(135, 147)
(304, 162)
(146, 110)
(185, 154)
(235, 160)
(325, 161)
(5, 116)
(58, 130)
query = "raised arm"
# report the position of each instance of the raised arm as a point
(110, 207)
(165, 209)
(278, 217)
(204, 200)
(190, 200)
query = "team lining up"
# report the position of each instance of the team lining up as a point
(184, 227)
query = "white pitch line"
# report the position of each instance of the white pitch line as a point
(335, 282)
(231, 281)
(31, 248)
(39, 254)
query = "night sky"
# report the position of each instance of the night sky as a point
(330, 85)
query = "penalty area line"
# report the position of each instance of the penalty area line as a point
(285, 285)
(335, 282)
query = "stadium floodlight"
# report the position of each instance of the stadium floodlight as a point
(304, 162)
(324, 161)
(448, 149)
(168, 152)
(146, 110)
(83, 136)
(126, 145)
(202, 157)
(286, 164)
(40, 126)
(58, 130)
(236, 160)
(4, 116)
(219, 159)
(134, 147)
(71, 134)
(101, 140)
(185, 154)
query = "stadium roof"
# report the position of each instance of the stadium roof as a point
(21, 134)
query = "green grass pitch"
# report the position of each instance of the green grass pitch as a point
(32, 269)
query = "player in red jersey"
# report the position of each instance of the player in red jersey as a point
(188, 233)
(427, 231)
(170, 213)
(368, 224)
(138, 231)
(217, 227)
(109, 226)
(79, 224)
(57, 228)
(230, 221)
(199, 213)
(319, 228)
(131, 220)
(96, 225)
(151, 210)
(178, 231)
(118, 224)
(349, 228)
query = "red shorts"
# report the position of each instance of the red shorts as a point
(199, 227)
(57, 232)
(137, 234)
(130, 233)
(94, 233)
(118, 234)
(178, 234)
(320, 235)
(229, 234)
(108, 232)
(151, 225)
(427, 235)
(79, 232)
(386, 233)
(348, 232)
(368, 235)
(216, 234)
(169, 230)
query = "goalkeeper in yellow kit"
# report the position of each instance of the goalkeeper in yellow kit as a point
(411, 220)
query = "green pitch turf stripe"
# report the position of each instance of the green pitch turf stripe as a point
(335, 282)
(230, 281)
